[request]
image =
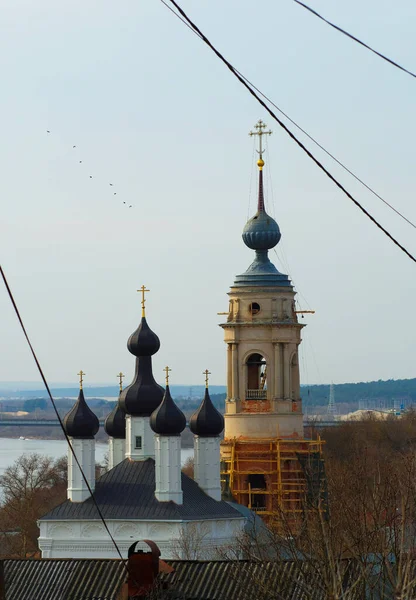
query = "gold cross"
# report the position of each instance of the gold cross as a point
(120, 377)
(206, 373)
(143, 290)
(167, 370)
(260, 125)
(81, 378)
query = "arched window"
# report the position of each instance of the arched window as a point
(256, 377)
(256, 372)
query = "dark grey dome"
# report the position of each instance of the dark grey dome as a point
(81, 422)
(167, 419)
(207, 421)
(115, 423)
(143, 342)
(143, 395)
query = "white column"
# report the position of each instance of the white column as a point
(286, 372)
(168, 468)
(85, 453)
(139, 438)
(229, 372)
(207, 465)
(235, 371)
(116, 451)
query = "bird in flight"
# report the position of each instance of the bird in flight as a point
(74, 146)
(47, 131)
(115, 193)
(111, 184)
(130, 205)
(80, 161)
(90, 176)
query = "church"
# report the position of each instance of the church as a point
(144, 494)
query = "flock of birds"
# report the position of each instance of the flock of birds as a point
(110, 184)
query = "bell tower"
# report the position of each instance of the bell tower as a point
(263, 409)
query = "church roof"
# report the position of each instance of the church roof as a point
(128, 492)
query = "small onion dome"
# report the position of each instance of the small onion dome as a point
(81, 422)
(167, 419)
(143, 342)
(206, 421)
(115, 423)
(143, 395)
(261, 232)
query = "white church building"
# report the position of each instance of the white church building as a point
(144, 494)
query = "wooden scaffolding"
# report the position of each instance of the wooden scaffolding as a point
(270, 476)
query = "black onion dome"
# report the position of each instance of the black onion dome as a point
(143, 395)
(81, 422)
(167, 419)
(115, 423)
(143, 342)
(206, 421)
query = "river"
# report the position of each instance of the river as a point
(11, 449)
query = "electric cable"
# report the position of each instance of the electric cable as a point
(315, 141)
(57, 414)
(289, 132)
(352, 37)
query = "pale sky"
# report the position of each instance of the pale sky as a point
(152, 110)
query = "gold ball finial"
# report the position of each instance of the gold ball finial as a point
(260, 163)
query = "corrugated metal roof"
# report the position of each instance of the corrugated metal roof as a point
(101, 579)
(128, 492)
(63, 579)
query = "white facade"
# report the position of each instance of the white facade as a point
(116, 451)
(203, 540)
(139, 438)
(168, 468)
(85, 453)
(207, 465)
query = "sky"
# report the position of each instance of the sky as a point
(151, 110)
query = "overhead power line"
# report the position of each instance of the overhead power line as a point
(314, 140)
(234, 71)
(57, 413)
(386, 58)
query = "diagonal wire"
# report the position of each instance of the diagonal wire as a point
(392, 62)
(342, 165)
(57, 413)
(287, 130)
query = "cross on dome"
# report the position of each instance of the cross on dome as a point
(81, 378)
(206, 373)
(120, 378)
(143, 290)
(260, 126)
(167, 371)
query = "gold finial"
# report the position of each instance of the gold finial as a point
(81, 378)
(120, 378)
(167, 371)
(143, 290)
(260, 126)
(206, 373)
